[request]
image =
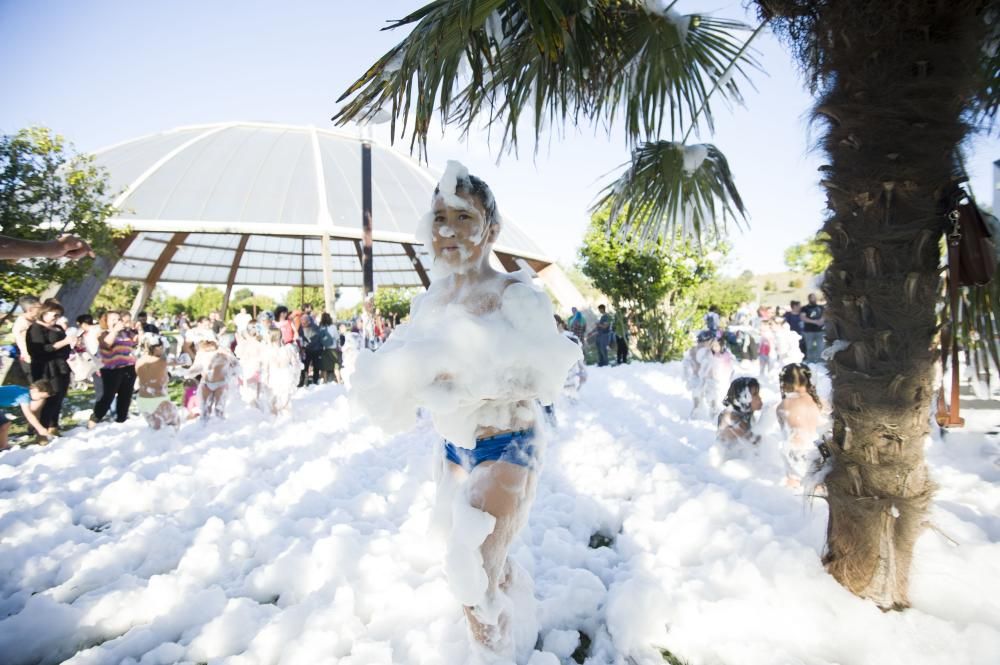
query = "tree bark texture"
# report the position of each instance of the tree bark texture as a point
(897, 80)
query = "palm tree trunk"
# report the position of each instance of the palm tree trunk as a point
(898, 78)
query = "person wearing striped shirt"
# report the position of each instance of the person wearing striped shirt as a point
(117, 350)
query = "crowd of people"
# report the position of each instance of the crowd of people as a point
(126, 361)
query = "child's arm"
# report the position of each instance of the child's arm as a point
(29, 415)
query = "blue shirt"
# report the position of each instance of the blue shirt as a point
(14, 396)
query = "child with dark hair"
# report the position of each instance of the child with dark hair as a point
(30, 402)
(479, 352)
(800, 415)
(736, 419)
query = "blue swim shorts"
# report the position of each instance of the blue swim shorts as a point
(511, 447)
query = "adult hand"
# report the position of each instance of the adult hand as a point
(70, 247)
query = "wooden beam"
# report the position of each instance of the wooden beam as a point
(232, 274)
(417, 265)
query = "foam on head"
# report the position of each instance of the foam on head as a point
(456, 180)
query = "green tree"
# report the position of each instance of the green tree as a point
(726, 293)
(203, 301)
(161, 303)
(47, 189)
(313, 295)
(655, 284)
(898, 88)
(810, 256)
(116, 294)
(254, 304)
(394, 304)
(241, 294)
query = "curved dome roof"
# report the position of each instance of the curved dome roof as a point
(250, 203)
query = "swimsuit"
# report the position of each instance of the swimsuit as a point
(511, 447)
(214, 385)
(147, 405)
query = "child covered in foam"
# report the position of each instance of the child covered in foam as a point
(478, 353)
(216, 366)
(715, 369)
(801, 416)
(152, 373)
(735, 425)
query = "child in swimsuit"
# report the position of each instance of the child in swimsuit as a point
(477, 353)
(715, 369)
(215, 366)
(152, 399)
(800, 415)
(736, 420)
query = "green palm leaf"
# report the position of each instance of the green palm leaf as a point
(670, 188)
(979, 328)
(567, 60)
(987, 102)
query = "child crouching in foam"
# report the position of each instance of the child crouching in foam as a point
(152, 399)
(216, 368)
(736, 419)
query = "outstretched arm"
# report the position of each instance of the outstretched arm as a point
(65, 246)
(29, 415)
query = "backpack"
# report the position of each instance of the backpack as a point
(314, 339)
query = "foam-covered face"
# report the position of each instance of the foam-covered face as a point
(460, 236)
(748, 400)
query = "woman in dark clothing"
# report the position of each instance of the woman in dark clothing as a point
(49, 347)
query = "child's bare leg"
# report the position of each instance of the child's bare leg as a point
(220, 402)
(205, 397)
(4, 431)
(504, 491)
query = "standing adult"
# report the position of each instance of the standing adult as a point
(145, 325)
(331, 360)
(602, 332)
(117, 349)
(621, 336)
(793, 317)
(812, 326)
(577, 324)
(89, 346)
(216, 323)
(312, 349)
(30, 306)
(49, 347)
(713, 320)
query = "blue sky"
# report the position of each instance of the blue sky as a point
(104, 71)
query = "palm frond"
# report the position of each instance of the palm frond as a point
(575, 61)
(987, 101)
(671, 188)
(979, 329)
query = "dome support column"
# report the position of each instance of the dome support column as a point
(231, 279)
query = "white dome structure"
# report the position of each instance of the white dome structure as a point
(269, 204)
(276, 187)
